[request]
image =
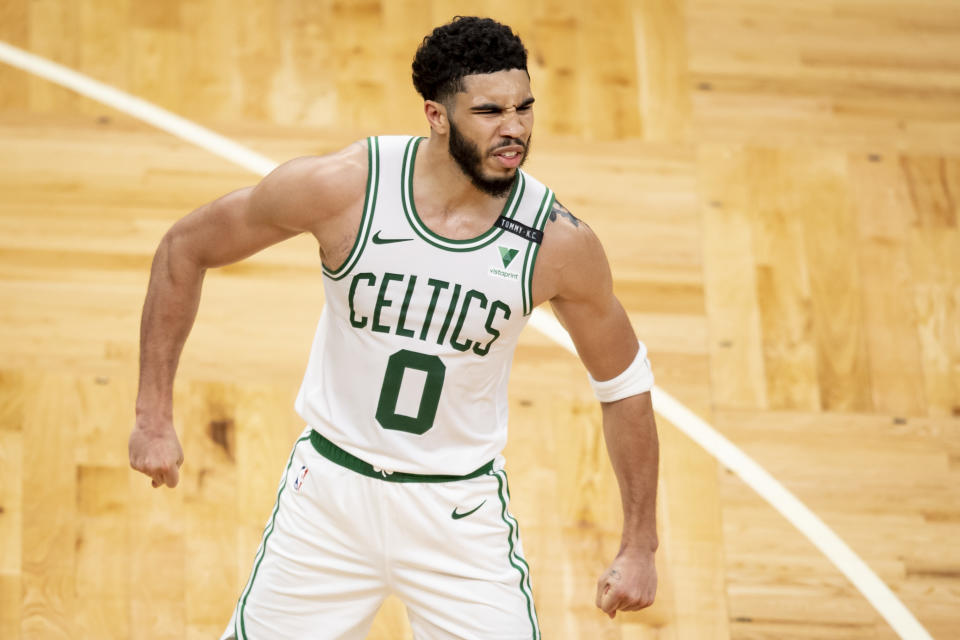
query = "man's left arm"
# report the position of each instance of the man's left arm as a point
(580, 288)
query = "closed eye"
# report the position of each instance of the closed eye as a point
(494, 110)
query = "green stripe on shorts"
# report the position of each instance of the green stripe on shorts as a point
(238, 624)
(516, 560)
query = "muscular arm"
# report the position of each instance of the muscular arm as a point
(308, 194)
(574, 275)
(187, 250)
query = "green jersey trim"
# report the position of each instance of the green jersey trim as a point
(366, 220)
(530, 256)
(410, 208)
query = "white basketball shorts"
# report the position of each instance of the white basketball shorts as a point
(343, 536)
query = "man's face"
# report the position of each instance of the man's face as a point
(491, 124)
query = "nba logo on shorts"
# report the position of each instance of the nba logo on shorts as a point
(298, 481)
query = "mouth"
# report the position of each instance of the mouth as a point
(510, 157)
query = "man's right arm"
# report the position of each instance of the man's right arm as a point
(316, 195)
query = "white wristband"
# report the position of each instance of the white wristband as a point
(635, 379)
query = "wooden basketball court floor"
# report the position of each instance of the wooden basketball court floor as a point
(777, 184)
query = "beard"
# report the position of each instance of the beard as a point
(470, 160)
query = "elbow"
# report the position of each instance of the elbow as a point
(175, 258)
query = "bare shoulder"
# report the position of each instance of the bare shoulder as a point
(313, 190)
(571, 263)
(574, 276)
(559, 213)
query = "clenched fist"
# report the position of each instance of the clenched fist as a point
(156, 453)
(629, 584)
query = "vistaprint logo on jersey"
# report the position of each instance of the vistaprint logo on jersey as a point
(506, 257)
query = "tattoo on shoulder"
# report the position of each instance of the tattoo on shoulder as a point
(562, 211)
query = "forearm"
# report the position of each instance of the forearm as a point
(169, 310)
(630, 432)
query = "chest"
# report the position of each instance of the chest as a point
(442, 299)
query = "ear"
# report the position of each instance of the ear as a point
(437, 116)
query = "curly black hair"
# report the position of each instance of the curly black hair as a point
(464, 46)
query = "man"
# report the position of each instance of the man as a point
(435, 251)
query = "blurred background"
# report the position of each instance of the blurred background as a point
(776, 183)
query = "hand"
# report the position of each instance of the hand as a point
(157, 453)
(629, 584)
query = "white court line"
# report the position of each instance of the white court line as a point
(874, 590)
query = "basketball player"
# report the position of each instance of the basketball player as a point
(435, 251)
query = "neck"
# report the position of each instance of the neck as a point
(440, 176)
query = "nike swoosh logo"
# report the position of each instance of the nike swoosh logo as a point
(456, 515)
(378, 240)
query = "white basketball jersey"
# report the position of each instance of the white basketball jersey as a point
(410, 362)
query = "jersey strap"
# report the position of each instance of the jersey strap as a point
(530, 255)
(366, 220)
